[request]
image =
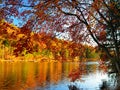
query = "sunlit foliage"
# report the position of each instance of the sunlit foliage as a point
(21, 42)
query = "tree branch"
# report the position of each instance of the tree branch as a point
(20, 5)
(71, 14)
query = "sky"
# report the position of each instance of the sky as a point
(16, 21)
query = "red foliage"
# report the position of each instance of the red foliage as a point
(74, 75)
(77, 73)
(102, 36)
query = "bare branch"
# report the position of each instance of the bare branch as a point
(21, 5)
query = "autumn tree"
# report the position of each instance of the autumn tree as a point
(80, 20)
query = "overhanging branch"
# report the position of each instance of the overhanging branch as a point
(21, 5)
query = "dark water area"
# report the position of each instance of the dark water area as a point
(52, 76)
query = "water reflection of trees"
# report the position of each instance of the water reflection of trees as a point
(23, 75)
(91, 68)
(114, 78)
(114, 81)
(10, 76)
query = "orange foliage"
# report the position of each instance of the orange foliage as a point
(30, 42)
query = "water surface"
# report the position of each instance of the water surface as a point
(49, 76)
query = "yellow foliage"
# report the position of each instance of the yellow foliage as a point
(9, 30)
(53, 43)
(32, 33)
(20, 35)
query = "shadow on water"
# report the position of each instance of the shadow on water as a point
(73, 87)
(104, 85)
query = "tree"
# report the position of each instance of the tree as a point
(79, 19)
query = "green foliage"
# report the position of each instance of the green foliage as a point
(90, 52)
(6, 43)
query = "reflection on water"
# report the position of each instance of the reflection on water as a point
(48, 76)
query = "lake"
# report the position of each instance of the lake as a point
(49, 75)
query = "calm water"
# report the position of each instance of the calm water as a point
(49, 76)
